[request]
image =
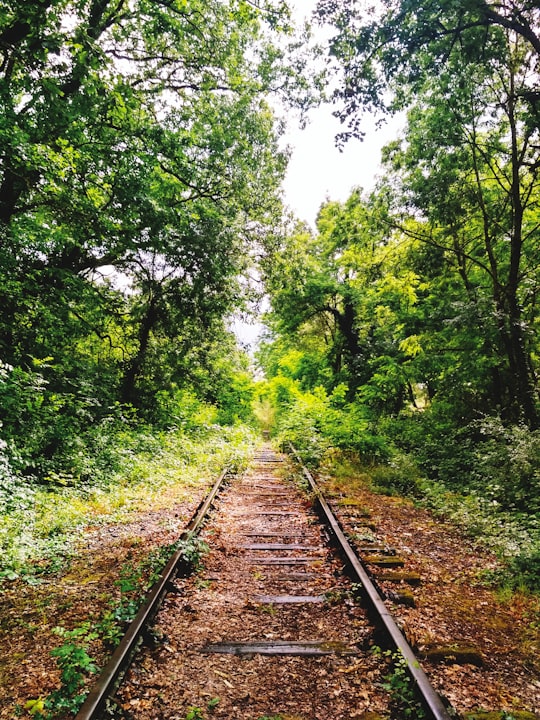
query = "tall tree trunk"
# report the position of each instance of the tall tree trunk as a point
(352, 350)
(135, 365)
(520, 383)
(524, 391)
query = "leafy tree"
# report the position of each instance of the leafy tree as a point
(349, 286)
(385, 52)
(139, 164)
(469, 163)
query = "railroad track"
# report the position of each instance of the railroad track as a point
(272, 626)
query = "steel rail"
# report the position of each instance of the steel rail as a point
(426, 692)
(122, 656)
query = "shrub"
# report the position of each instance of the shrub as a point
(300, 429)
(315, 422)
(523, 571)
(485, 457)
(400, 476)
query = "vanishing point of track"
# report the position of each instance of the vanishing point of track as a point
(275, 611)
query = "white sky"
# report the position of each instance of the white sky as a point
(317, 169)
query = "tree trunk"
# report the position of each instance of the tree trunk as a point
(135, 365)
(522, 391)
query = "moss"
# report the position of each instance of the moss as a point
(385, 561)
(410, 578)
(456, 654)
(358, 505)
(401, 597)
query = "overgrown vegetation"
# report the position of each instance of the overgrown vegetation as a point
(134, 196)
(482, 490)
(403, 328)
(39, 522)
(483, 475)
(171, 465)
(73, 656)
(400, 686)
(41, 533)
(139, 169)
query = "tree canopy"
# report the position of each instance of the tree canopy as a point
(139, 166)
(383, 52)
(140, 178)
(465, 174)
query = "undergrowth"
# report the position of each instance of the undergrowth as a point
(399, 684)
(74, 658)
(40, 524)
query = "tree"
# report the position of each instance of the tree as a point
(137, 144)
(469, 165)
(348, 285)
(384, 53)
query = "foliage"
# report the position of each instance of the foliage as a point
(75, 664)
(523, 571)
(399, 684)
(315, 421)
(399, 476)
(382, 57)
(140, 169)
(486, 457)
(424, 383)
(331, 287)
(511, 535)
(39, 525)
(463, 182)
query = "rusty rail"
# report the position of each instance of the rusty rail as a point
(427, 695)
(123, 654)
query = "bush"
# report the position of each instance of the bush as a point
(507, 464)
(300, 426)
(348, 428)
(181, 409)
(399, 477)
(14, 494)
(38, 522)
(524, 571)
(315, 422)
(486, 458)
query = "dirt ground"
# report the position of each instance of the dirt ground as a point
(453, 609)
